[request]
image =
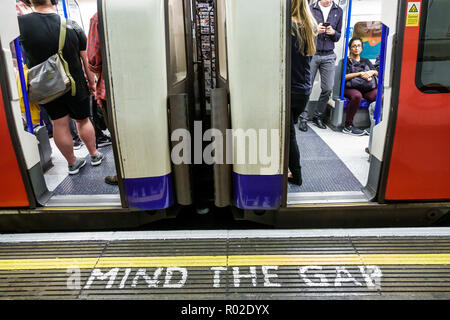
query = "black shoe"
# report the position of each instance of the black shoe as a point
(303, 126)
(296, 180)
(103, 141)
(112, 180)
(318, 122)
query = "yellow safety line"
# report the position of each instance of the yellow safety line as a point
(231, 261)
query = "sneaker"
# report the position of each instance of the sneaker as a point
(97, 159)
(103, 141)
(77, 144)
(353, 131)
(77, 165)
(303, 126)
(318, 122)
(367, 131)
(112, 180)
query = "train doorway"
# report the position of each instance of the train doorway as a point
(338, 165)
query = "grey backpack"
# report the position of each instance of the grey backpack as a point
(51, 79)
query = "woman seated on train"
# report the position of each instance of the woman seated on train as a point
(360, 82)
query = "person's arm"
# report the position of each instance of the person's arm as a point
(353, 75)
(336, 33)
(89, 74)
(94, 48)
(83, 56)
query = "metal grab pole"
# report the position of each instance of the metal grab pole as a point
(23, 85)
(378, 105)
(66, 15)
(347, 39)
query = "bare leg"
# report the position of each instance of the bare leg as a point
(63, 138)
(87, 134)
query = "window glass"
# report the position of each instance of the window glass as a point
(433, 65)
(370, 33)
(177, 40)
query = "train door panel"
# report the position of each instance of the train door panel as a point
(256, 38)
(419, 161)
(137, 77)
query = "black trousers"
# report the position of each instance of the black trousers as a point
(298, 105)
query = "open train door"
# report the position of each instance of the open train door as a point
(150, 92)
(249, 103)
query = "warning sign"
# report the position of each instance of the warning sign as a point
(413, 14)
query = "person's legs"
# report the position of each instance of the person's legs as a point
(63, 138)
(87, 134)
(327, 71)
(355, 98)
(294, 155)
(315, 63)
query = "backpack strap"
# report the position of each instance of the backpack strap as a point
(62, 41)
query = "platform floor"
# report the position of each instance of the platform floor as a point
(259, 264)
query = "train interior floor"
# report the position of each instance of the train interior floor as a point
(335, 167)
(88, 183)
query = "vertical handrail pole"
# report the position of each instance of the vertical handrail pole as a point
(378, 105)
(347, 39)
(66, 15)
(23, 85)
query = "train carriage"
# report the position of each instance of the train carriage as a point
(151, 69)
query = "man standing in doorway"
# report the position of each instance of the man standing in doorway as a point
(329, 17)
(96, 65)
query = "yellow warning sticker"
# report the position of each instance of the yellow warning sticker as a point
(413, 14)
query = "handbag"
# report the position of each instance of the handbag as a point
(51, 79)
(358, 82)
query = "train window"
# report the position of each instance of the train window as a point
(433, 64)
(177, 42)
(222, 36)
(370, 33)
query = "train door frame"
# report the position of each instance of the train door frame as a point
(6, 86)
(397, 68)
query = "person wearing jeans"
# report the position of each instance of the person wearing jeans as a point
(329, 17)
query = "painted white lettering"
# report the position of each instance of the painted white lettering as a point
(125, 278)
(151, 282)
(323, 280)
(169, 275)
(267, 276)
(372, 275)
(217, 271)
(348, 277)
(74, 280)
(237, 276)
(97, 273)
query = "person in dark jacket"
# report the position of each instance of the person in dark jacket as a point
(304, 29)
(329, 17)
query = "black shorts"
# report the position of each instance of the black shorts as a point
(67, 105)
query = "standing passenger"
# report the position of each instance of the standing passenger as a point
(304, 30)
(96, 66)
(329, 17)
(39, 37)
